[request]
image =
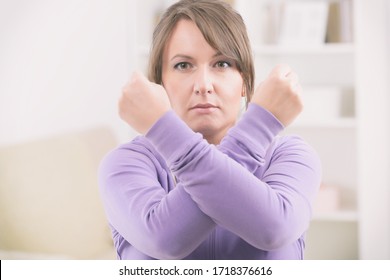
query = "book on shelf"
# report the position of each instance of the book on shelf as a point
(340, 23)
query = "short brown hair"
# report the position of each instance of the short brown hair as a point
(222, 27)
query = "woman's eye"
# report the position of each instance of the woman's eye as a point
(182, 66)
(223, 64)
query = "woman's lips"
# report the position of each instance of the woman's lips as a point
(205, 108)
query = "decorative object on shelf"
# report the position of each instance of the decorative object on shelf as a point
(303, 23)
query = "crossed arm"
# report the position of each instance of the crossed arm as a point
(235, 185)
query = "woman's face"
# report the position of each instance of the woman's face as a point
(204, 86)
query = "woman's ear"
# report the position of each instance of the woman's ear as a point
(243, 94)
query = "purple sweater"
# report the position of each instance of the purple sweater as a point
(171, 195)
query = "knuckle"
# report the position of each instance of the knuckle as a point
(126, 91)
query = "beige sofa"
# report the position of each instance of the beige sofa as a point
(49, 201)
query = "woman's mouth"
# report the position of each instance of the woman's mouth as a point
(204, 108)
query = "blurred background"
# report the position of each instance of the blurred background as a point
(62, 67)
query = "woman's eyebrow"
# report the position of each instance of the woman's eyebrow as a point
(217, 54)
(185, 56)
(181, 56)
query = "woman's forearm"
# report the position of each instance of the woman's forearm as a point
(267, 212)
(159, 224)
(248, 141)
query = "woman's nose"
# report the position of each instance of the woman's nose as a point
(203, 81)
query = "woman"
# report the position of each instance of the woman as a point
(200, 183)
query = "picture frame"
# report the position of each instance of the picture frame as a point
(303, 23)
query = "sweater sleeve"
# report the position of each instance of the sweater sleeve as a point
(160, 224)
(268, 212)
(248, 141)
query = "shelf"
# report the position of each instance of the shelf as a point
(325, 49)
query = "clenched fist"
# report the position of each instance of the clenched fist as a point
(280, 94)
(142, 103)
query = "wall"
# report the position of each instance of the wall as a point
(62, 66)
(374, 134)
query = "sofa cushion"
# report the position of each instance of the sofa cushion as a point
(49, 200)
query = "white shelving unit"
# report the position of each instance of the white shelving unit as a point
(334, 126)
(327, 74)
